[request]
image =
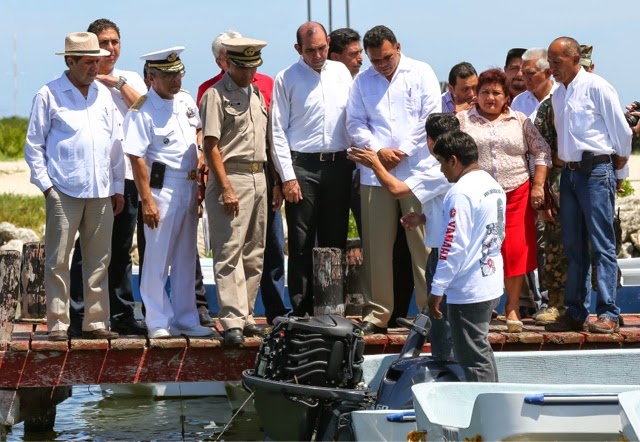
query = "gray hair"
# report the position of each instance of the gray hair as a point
(216, 46)
(538, 54)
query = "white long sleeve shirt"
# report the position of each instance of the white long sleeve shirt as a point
(73, 142)
(429, 185)
(391, 114)
(589, 117)
(470, 266)
(137, 83)
(308, 112)
(528, 104)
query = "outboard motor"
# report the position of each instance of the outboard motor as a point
(410, 368)
(308, 375)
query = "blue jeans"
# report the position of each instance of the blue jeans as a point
(587, 206)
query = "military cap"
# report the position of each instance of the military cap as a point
(166, 60)
(244, 52)
(585, 55)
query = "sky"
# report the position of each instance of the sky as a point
(441, 33)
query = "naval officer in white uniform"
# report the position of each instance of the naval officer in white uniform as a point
(161, 141)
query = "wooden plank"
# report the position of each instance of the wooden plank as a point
(162, 364)
(123, 365)
(34, 304)
(21, 337)
(200, 364)
(83, 367)
(11, 365)
(43, 368)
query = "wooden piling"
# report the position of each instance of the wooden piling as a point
(9, 291)
(34, 303)
(328, 281)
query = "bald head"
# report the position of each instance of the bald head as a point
(568, 45)
(564, 58)
(313, 45)
(308, 29)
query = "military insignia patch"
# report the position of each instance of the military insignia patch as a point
(249, 51)
(166, 141)
(191, 113)
(172, 57)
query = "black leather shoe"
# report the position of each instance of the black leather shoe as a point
(369, 328)
(233, 336)
(566, 324)
(130, 327)
(74, 332)
(206, 320)
(100, 333)
(253, 330)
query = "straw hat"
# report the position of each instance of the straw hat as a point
(83, 43)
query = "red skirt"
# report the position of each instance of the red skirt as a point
(519, 246)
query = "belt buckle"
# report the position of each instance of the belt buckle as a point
(331, 155)
(573, 165)
(192, 175)
(254, 167)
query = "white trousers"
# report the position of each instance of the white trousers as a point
(171, 244)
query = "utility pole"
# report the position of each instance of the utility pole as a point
(330, 13)
(15, 74)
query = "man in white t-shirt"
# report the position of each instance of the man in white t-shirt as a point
(470, 267)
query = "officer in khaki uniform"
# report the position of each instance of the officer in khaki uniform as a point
(234, 119)
(160, 132)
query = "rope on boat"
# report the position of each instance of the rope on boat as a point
(234, 416)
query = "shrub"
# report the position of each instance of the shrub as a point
(13, 131)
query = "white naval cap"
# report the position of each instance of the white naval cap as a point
(165, 60)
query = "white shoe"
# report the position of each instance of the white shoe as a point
(158, 333)
(195, 331)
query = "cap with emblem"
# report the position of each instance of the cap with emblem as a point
(166, 60)
(244, 52)
(81, 44)
(585, 55)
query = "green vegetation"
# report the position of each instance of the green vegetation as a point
(23, 211)
(353, 229)
(13, 131)
(627, 188)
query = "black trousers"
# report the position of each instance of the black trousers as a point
(322, 218)
(121, 301)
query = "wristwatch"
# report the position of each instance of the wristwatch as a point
(120, 83)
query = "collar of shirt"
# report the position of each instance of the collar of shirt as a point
(159, 102)
(474, 114)
(403, 66)
(66, 85)
(305, 65)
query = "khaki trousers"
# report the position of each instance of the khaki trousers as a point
(380, 214)
(238, 246)
(93, 218)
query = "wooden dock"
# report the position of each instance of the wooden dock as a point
(29, 359)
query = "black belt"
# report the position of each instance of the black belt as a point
(598, 159)
(320, 156)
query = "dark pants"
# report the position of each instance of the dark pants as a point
(470, 335)
(272, 282)
(201, 292)
(440, 333)
(322, 214)
(121, 301)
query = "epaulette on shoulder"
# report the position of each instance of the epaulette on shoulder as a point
(138, 104)
(185, 91)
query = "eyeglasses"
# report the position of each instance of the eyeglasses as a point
(180, 74)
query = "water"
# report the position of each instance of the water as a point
(88, 415)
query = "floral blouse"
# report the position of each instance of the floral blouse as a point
(502, 149)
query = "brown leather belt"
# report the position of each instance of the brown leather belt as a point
(598, 159)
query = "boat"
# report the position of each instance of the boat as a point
(378, 402)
